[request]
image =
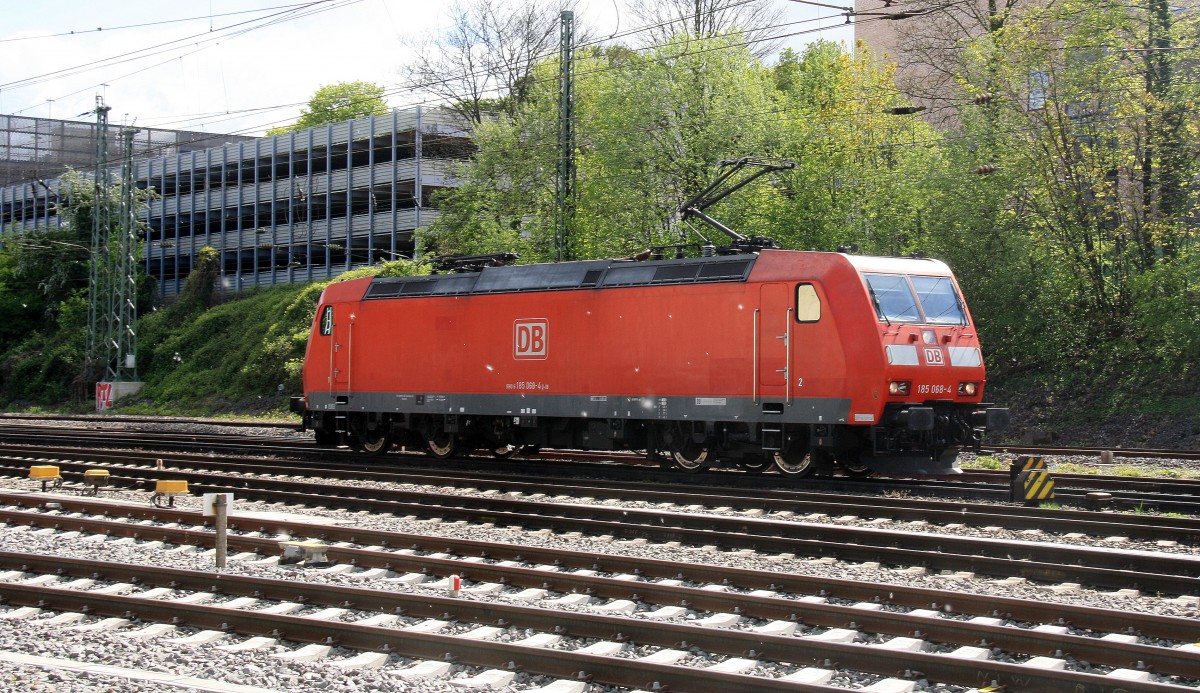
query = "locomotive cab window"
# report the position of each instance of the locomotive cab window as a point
(327, 321)
(893, 298)
(915, 299)
(808, 303)
(939, 301)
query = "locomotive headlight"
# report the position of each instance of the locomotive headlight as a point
(968, 389)
(899, 388)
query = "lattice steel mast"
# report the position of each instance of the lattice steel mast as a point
(123, 320)
(98, 328)
(112, 280)
(565, 180)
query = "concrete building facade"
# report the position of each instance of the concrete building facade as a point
(294, 207)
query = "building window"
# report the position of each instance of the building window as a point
(1039, 89)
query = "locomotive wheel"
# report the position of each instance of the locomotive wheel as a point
(755, 464)
(442, 445)
(853, 467)
(376, 442)
(691, 457)
(505, 452)
(796, 463)
(796, 460)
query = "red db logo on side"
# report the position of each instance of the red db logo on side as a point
(530, 338)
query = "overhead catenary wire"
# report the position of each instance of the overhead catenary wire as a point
(143, 25)
(338, 4)
(601, 69)
(411, 87)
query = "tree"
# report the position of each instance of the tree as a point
(484, 61)
(930, 53)
(334, 103)
(1091, 124)
(651, 128)
(753, 24)
(44, 298)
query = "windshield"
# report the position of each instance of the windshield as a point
(893, 297)
(939, 300)
(935, 301)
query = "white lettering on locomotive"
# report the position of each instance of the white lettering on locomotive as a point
(934, 357)
(531, 338)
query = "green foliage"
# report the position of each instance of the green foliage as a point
(1097, 155)
(1073, 468)
(986, 462)
(334, 103)
(44, 279)
(240, 350)
(1155, 472)
(200, 290)
(651, 128)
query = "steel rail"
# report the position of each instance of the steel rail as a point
(740, 643)
(1131, 453)
(1141, 527)
(167, 420)
(1163, 627)
(1166, 573)
(946, 631)
(1179, 495)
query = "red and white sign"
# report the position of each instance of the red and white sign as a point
(934, 356)
(104, 396)
(531, 338)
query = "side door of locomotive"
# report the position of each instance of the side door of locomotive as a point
(773, 335)
(336, 322)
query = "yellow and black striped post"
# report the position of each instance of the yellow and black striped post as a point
(1031, 480)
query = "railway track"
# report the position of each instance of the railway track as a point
(837, 570)
(741, 629)
(1118, 452)
(1139, 494)
(459, 488)
(889, 541)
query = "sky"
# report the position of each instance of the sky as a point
(242, 66)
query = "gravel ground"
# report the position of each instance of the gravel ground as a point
(260, 669)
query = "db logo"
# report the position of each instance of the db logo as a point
(530, 337)
(933, 357)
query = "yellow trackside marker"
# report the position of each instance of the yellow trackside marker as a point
(167, 489)
(170, 486)
(1031, 480)
(47, 474)
(1038, 486)
(1028, 463)
(93, 481)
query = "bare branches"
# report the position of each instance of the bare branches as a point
(702, 19)
(484, 60)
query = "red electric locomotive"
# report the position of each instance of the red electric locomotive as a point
(800, 360)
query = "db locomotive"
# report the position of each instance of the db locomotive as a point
(802, 362)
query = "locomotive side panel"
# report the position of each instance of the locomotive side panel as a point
(673, 349)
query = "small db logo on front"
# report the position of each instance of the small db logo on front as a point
(933, 357)
(530, 337)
